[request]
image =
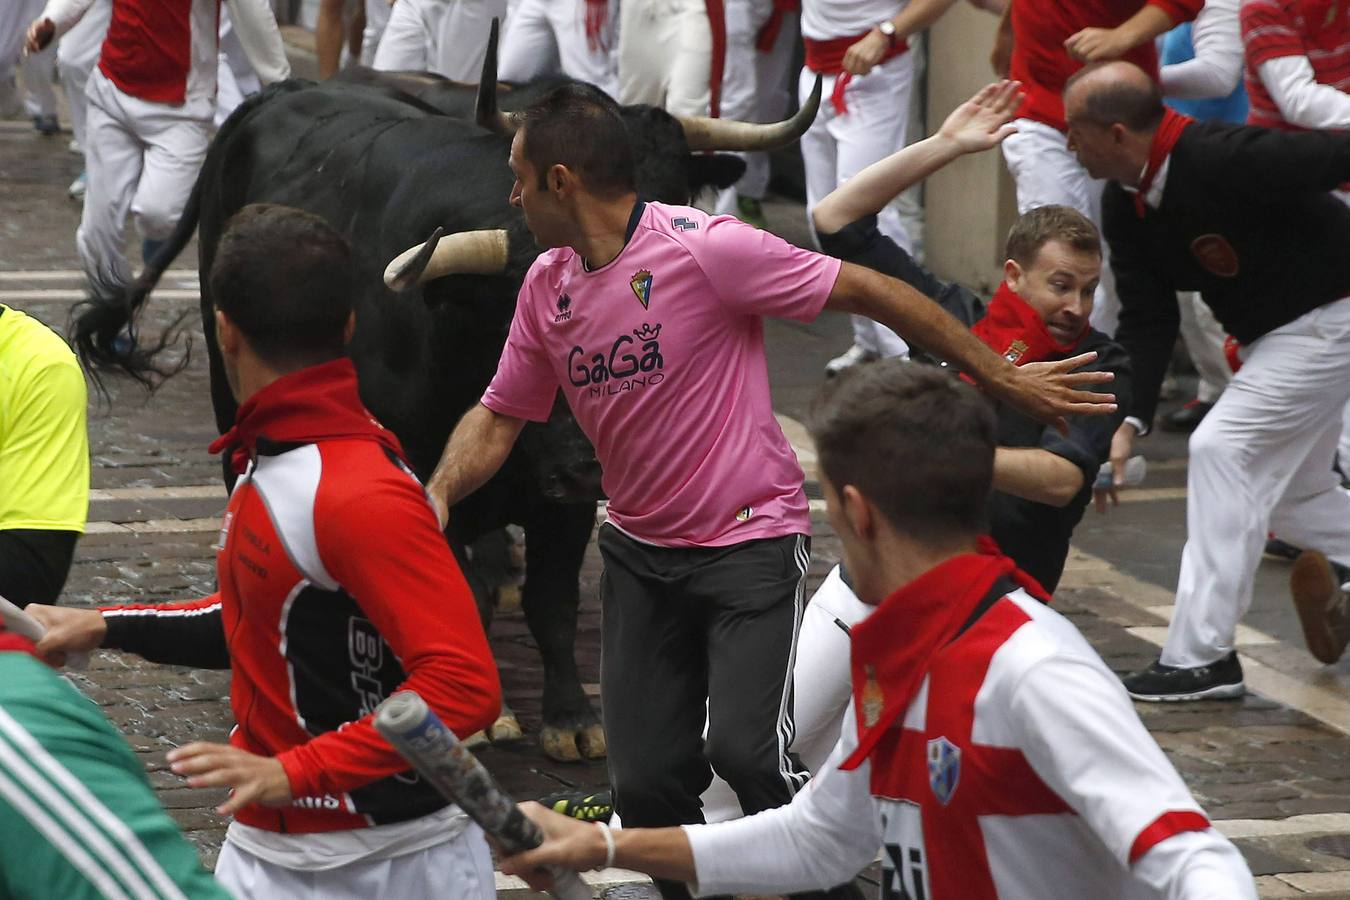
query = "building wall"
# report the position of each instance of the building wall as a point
(970, 204)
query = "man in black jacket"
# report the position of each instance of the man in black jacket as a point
(1244, 216)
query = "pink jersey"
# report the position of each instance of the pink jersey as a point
(660, 354)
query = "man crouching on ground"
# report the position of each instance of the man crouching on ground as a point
(996, 753)
(336, 589)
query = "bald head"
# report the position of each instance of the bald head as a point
(1115, 92)
(1112, 110)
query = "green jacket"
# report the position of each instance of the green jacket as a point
(78, 818)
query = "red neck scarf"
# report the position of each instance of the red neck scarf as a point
(1164, 139)
(314, 404)
(1014, 330)
(894, 647)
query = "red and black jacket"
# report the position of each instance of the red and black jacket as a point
(336, 589)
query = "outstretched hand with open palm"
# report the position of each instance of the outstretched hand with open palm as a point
(983, 121)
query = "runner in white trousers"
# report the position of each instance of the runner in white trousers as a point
(39, 69)
(150, 105)
(861, 48)
(577, 38)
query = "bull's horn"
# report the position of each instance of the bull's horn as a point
(486, 112)
(703, 133)
(462, 253)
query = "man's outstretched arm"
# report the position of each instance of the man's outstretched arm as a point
(477, 448)
(982, 122)
(1046, 391)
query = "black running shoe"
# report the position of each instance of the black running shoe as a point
(588, 806)
(1220, 680)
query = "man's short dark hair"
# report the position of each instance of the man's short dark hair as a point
(915, 440)
(580, 127)
(285, 278)
(1135, 103)
(1037, 227)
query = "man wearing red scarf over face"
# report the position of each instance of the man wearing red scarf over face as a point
(1244, 215)
(988, 751)
(337, 588)
(1042, 478)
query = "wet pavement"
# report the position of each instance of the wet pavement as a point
(1272, 769)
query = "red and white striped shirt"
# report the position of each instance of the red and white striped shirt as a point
(1275, 29)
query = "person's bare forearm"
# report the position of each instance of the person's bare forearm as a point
(877, 185)
(475, 451)
(660, 852)
(1036, 475)
(1145, 25)
(918, 320)
(328, 37)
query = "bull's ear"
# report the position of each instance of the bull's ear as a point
(719, 170)
(405, 272)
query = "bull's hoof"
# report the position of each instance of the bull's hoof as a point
(560, 744)
(505, 729)
(591, 741)
(573, 744)
(476, 740)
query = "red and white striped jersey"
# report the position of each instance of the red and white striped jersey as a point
(1019, 770)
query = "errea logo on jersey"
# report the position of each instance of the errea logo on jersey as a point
(564, 308)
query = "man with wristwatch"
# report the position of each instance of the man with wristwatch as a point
(861, 50)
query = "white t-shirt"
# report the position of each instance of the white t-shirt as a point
(824, 20)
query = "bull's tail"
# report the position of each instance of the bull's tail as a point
(103, 325)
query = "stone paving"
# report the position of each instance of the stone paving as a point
(1274, 778)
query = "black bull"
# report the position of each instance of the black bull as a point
(386, 168)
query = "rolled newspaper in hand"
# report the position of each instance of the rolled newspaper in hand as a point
(422, 739)
(21, 623)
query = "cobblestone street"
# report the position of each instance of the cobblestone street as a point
(1272, 770)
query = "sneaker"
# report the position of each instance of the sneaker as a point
(1187, 418)
(1220, 680)
(46, 125)
(851, 357)
(78, 187)
(1316, 587)
(751, 212)
(592, 806)
(1278, 549)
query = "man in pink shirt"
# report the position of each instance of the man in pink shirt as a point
(649, 318)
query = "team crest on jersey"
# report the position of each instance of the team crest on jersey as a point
(641, 284)
(1216, 254)
(1016, 350)
(682, 224)
(944, 768)
(744, 513)
(873, 700)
